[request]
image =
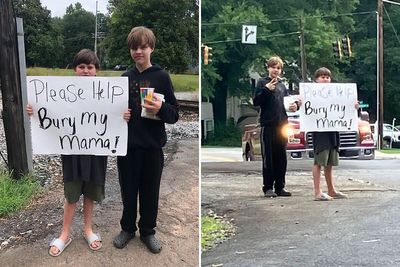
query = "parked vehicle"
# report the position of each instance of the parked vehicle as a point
(353, 144)
(391, 135)
(120, 67)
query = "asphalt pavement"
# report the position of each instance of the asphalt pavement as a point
(298, 231)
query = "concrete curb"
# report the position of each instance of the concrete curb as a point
(381, 155)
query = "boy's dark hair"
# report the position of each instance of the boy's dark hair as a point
(86, 56)
(141, 36)
(272, 61)
(322, 72)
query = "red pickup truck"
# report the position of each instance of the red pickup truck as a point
(353, 144)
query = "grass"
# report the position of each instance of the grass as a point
(185, 82)
(390, 151)
(15, 194)
(214, 230)
(181, 82)
(224, 135)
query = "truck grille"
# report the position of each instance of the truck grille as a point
(347, 139)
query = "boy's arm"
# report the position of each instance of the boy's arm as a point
(169, 109)
(261, 93)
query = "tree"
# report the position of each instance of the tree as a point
(36, 30)
(175, 26)
(78, 30)
(277, 33)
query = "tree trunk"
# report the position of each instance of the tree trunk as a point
(11, 92)
(219, 102)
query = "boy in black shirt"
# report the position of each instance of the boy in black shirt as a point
(269, 95)
(140, 170)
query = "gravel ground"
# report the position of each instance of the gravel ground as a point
(47, 169)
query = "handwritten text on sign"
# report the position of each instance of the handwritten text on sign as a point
(328, 107)
(78, 115)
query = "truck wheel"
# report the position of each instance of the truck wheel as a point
(386, 143)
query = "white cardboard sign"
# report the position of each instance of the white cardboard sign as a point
(328, 107)
(78, 115)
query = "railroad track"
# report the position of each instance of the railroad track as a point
(189, 105)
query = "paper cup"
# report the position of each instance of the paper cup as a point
(287, 100)
(147, 115)
(161, 96)
(146, 93)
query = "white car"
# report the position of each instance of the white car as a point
(391, 135)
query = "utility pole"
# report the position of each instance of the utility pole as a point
(302, 52)
(11, 92)
(380, 72)
(95, 32)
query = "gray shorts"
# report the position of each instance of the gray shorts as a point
(73, 190)
(327, 157)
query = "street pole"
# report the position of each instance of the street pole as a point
(380, 76)
(13, 111)
(302, 52)
(95, 32)
(24, 90)
(378, 144)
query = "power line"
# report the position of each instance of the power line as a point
(391, 2)
(294, 18)
(260, 37)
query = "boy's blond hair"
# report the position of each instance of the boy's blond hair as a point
(322, 72)
(272, 61)
(141, 36)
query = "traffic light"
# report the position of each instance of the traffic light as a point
(346, 44)
(337, 49)
(206, 54)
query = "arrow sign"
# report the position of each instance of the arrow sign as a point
(249, 34)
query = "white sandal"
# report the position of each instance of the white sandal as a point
(93, 238)
(60, 245)
(323, 197)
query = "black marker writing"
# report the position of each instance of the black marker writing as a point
(101, 92)
(75, 142)
(69, 94)
(46, 122)
(93, 118)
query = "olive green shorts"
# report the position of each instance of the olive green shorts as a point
(73, 190)
(327, 157)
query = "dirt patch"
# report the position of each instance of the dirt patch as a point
(29, 231)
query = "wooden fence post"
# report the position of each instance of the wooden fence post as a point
(11, 92)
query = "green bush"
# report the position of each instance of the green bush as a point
(225, 135)
(15, 194)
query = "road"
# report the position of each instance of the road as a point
(297, 231)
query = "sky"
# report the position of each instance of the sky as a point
(58, 7)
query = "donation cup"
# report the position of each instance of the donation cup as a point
(146, 93)
(149, 115)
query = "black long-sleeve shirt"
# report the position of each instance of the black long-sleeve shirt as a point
(273, 111)
(143, 132)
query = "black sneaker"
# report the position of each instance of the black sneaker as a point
(151, 243)
(270, 193)
(283, 193)
(122, 239)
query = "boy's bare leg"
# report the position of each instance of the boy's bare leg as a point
(316, 170)
(329, 180)
(88, 205)
(69, 210)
